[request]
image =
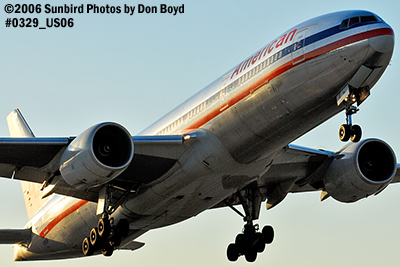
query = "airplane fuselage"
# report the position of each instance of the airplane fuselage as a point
(279, 93)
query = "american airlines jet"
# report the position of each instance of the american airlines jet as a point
(228, 145)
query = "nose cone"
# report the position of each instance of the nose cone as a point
(383, 43)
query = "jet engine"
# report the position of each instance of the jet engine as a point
(362, 169)
(97, 156)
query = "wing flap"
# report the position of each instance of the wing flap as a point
(294, 162)
(28, 174)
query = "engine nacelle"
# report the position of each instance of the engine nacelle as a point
(97, 156)
(366, 168)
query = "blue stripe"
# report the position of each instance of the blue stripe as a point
(318, 37)
(158, 139)
(332, 31)
(36, 140)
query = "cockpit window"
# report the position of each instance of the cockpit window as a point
(347, 23)
(354, 21)
(368, 19)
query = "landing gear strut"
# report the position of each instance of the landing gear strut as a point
(251, 241)
(349, 131)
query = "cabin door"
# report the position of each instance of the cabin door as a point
(299, 46)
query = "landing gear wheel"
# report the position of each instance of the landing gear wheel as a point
(232, 252)
(268, 234)
(240, 242)
(94, 237)
(251, 255)
(259, 245)
(356, 133)
(87, 247)
(107, 250)
(344, 132)
(104, 228)
(123, 227)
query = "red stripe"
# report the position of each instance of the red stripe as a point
(62, 216)
(282, 69)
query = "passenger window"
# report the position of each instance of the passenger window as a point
(354, 21)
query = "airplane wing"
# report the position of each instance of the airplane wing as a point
(292, 170)
(37, 160)
(295, 169)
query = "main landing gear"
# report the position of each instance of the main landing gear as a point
(251, 241)
(108, 234)
(349, 131)
(105, 237)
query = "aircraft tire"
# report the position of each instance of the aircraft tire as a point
(123, 227)
(104, 228)
(87, 247)
(115, 239)
(356, 133)
(251, 255)
(259, 245)
(232, 252)
(94, 237)
(268, 234)
(240, 242)
(107, 250)
(344, 132)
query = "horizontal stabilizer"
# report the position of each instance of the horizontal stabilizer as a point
(14, 236)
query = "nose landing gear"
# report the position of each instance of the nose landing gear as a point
(349, 131)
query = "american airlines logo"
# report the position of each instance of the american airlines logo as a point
(284, 39)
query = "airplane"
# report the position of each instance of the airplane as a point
(229, 145)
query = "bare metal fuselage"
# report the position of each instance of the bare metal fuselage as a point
(239, 130)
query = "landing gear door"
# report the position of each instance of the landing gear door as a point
(299, 46)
